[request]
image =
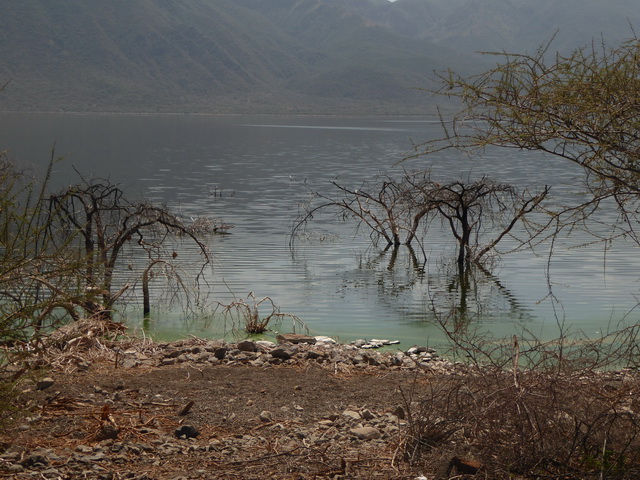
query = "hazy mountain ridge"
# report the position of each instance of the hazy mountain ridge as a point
(507, 25)
(298, 56)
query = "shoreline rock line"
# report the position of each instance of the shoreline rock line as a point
(288, 351)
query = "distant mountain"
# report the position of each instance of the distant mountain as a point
(270, 56)
(505, 25)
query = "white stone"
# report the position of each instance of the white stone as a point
(366, 433)
(351, 414)
(326, 340)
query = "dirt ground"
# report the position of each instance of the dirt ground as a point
(95, 419)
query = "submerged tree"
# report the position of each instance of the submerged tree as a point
(479, 213)
(59, 254)
(583, 107)
(382, 205)
(103, 222)
(482, 209)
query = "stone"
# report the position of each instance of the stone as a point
(266, 416)
(464, 466)
(284, 352)
(107, 432)
(325, 340)
(45, 383)
(220, 352)
(374, 343)
(367, 415)
(400, 413)
(129, 363)
(172, 353)
(366, 433)
(96, 457)
(351, 414)
(34, 461)
(247, 346)
(295, 338)
(187, 431)
(371, 360)
(311, 355)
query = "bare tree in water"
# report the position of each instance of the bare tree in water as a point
(478, 213)
(102, 222)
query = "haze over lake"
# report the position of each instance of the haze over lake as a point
(253, 172)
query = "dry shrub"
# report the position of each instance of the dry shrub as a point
(530, 425)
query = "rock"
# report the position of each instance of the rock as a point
(187, 431)
(266, 416)
(284, 352)
(400, 413)
(325, 340)
(172, 353)
(366, 433)
(129, 363)
(96, 457)
(220, 352)
(45, 383)
(464, 466)
(367, 415)
(311, 355)
(107, 432)
(35, 461)
(247, 346)
(295, 338)
(351, 414)
(373, 361)
(373, 343)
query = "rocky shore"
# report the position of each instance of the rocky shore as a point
(305, 407)
(291, 349)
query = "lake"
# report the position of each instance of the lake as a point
(251, 171)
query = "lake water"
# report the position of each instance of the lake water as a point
(249, 171)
